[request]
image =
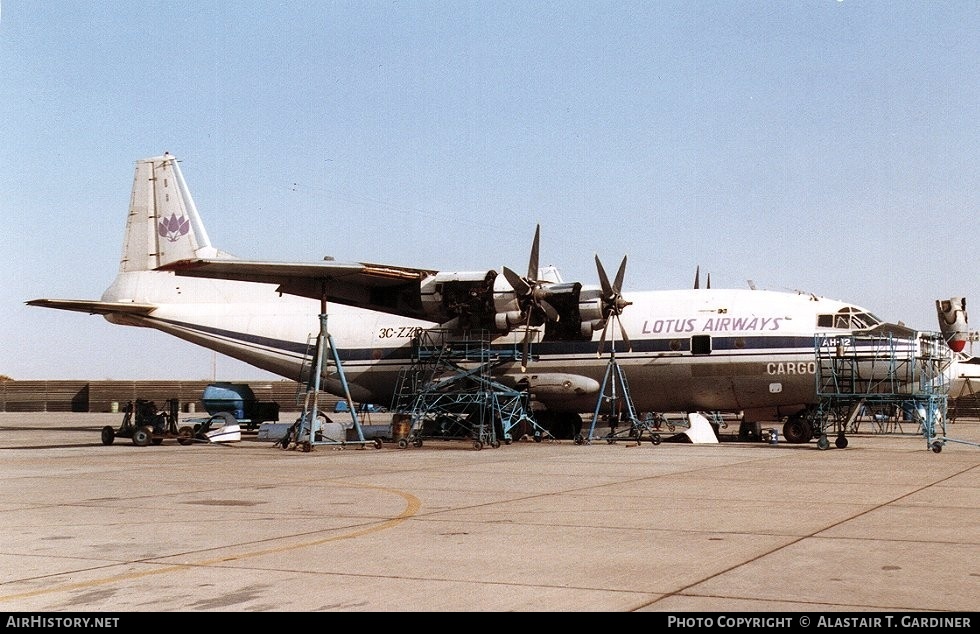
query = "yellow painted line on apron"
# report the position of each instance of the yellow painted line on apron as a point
(411, 509)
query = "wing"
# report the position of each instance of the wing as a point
(93, 307)
(380, 287)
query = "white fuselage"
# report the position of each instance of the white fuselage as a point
(728, 350)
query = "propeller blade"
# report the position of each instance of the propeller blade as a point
(532, 295)
(602, 339)
(517, 282)
(549, 310)
(612, 305)
(618, 287)
(622, 330)
(603, 280)
(532, 265)
(527, 343)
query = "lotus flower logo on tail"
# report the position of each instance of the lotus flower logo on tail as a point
(173, 228)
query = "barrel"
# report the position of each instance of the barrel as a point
(400, 427)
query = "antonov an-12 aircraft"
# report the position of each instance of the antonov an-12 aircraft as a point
(692, 350)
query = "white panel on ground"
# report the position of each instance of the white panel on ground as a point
(700, 431)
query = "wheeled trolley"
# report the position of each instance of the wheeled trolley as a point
(144, 424)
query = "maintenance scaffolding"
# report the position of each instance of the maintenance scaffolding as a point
(449, 392)
(860, 372)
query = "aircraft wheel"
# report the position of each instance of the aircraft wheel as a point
(377, 443)
(417, 442)
(307, 446)
(656, 439)
(141, 437)
(402, 443)
(807, 432)
(937, 447)
(185, 435)
(578, 438)
(495, 443)
(794, 431)
(108, 435)
(823, 443)
(841, 442)
(478, 445)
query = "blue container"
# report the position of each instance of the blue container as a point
(235, 398)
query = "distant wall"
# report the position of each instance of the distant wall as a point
(100, 396)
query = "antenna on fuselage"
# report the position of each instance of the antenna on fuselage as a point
(697, 279)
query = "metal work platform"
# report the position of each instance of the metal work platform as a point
(449, 392)
(860, 372)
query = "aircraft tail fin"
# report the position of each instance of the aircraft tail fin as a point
(163, 225)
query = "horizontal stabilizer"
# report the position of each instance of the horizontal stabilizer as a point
(93, 307)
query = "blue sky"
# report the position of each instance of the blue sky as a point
(827, 146)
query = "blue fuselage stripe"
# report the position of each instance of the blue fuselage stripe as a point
(741, 346)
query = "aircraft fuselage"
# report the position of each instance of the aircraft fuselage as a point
(729, 350)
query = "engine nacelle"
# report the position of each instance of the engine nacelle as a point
(590, 306)
(589, 327)
(466, 296)
(507, 320)
(479, 300)
(953, 322)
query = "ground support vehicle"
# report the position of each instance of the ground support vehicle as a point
(144, 424)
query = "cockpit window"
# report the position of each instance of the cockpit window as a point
(861, 321)
(848, 318)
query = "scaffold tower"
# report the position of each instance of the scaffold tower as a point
(449, 391)
(858, 371)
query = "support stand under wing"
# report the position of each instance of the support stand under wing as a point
(617, 397)
(313, 428)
